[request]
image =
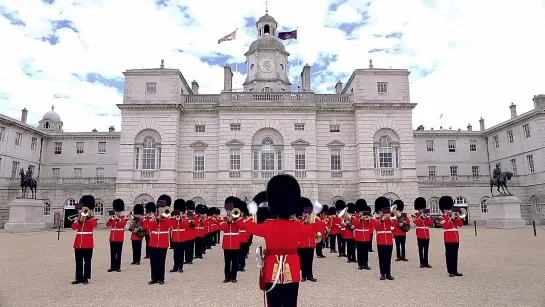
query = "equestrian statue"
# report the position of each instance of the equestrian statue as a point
(500, 179)
(28, 181)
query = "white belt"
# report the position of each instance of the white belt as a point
(84, 233)
(451, 229)
(362, 230)
(173, 230)
(114, 229)
(242, 230)
(384, 231)
(422, 227)
(231, 233)
(199, 227)
(159, 232)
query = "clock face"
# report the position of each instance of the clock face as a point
(266, 65)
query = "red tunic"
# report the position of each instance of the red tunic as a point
(363, 230)
(159, 233)
(179, 228)
(451, 228)
(84, 234)
(117, 229)
(320, 227)
(244, 236)
(384, 231)
(134, 236)
(397, 230)
(422, 226)
(282, 262)
(307, 236)
(336, 225)
(201, 227)
(347, 233)
(231, 234)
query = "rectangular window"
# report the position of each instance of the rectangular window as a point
(14, 169)
(454, 171)
(100, 172)
(475, 171)
(451, 145)
(56, 172)
(334, 128)
(496, 142)
(137, 158)
(473, 145)
(77, 172)
(510, 136)
(234, 159)
(2, 133)
(79, 148)
(526, 129)
(33, 144)
(530, 159)
(101, 147)
(382, 87)
(432, 172)
(18, 139)
(300, 159)
(514, 166)
(151, 87)
(148, 158)
(336, 163)
(200, 128)
(198, 161)
(430, 146)
(58, 148)
(234, 127)
(299, 127)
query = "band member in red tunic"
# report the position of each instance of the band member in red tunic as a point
(348, 235)
(450, 221)
(200, 221)
(179, 228)
(244, 237)
(307, 239)
(338, 223)
(401, 227)
(383, 224)
(191, 232)
(280, 274)
(117, 223)
(321, 226)
(159, 242)
(231, 227)
(151, 210)
(333, 229)
(423, 222)
(84, 225)
(362, 233)
(136, 237)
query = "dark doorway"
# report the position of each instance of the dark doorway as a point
(67, 214)
(267, 29)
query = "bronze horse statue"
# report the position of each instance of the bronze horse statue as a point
(28, 182)
(501, 182)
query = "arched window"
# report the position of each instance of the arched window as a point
(47, 208)
(99, 207)
(70, 203)
(484, 206)
(148, 154)
(199, 201)
(434, 206)
(267, 29)
(537, 205)
(460, 201)
(386, 154)
(46, 125)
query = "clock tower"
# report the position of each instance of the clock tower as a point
(267, 60)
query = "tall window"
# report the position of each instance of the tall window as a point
(56, 172)
(526, 129)
(77, 172)
(300, 159)
(2, 132)
(79, 147)
(18, 139)
(100, 172)
(434, 206)
(267, 158)
(484, 206)
(47, 208)
(148, 157)
(14, 169)
(530, 159)
(432, 172)
(451, 145)
(385, 153)
(454, 171)
(382, 87)
(336, 163)
(514, 166)
(99, 207)
(473, 145)
(151, 87)
(430, 145)
(198, 164)
(475, 171)
(267, 155)
(58, 148)
(234, 163)
(510, 136)
(496, 142)
(101, 147)
(33, 144)
(537, 205)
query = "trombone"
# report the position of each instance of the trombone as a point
(459, 213)
(85, 212)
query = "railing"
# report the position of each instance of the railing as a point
(199, 175)
(266, 175)
(234, 96)
(234, 174)
(333, 98)
(300, 174)
(460, 179)
(202, 99)
(386, 173)
(336, 174)
(147, 174)
(76, 180)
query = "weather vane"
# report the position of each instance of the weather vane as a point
(266, 6)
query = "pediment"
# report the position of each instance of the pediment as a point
(335, 144)
(198, 144)
(235, 142)
(300, 142)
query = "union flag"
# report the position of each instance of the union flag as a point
(287, 35)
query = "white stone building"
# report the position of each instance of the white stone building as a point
(356, 143)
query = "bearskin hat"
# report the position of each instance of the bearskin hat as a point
(217, 211)
(380, 203)
(87, 201)
(340, 204)
(446, 203)
(351, 208)
(166, 199)
(179, 204)
(118, 205)
(332, 211)
(211, 211)
(366, 209)
(151, 208)
(260, 198)
(419, 203)
(199, 209)
(400, 205)
(138, 209)
(231, 200)
(190, 205)
(306, 205)
(244, 208)
(325, 209)
(360, 204)
(263, 214)
(283, 195)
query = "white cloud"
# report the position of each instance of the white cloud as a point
(486, 54)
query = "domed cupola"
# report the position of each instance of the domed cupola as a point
(51, 121)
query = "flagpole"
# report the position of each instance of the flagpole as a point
(298, 63)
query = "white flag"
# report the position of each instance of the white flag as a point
(229, 37)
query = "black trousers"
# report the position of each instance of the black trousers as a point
(423, 248)
(451, 256)
(325, 242)
(147, 246)
(158, 257)
(341, 245)
(307, 259)
(136, 250)
(282, 295)
(217, 237)
(209, 240)
(319, 249)
(351, 249)
(178, 255)
(385, 259)
(199, 243)
(83, 263)
(400, 246)
(251, 239)
(243, 252)
(115, 255)
(189, 250)
(230, 256)
(371, 244)
(363, 253)
(332, 242)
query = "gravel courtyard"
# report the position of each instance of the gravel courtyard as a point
(500, 267)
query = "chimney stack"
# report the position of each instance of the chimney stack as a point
(195, 87)
(24, 114)
(481, 123)
(513, 108)
(112, 129)
(469, 127)
(305, 78)
(94, 130)
(539, 101)
(339, 87)
(227, 78)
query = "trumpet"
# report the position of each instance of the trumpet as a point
(235, 214)
(394, 213)
(459, 213)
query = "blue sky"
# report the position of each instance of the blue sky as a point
(464, 55)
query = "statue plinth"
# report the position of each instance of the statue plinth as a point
(25, 214)
(504, 212)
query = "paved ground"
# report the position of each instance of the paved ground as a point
(500, 267)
